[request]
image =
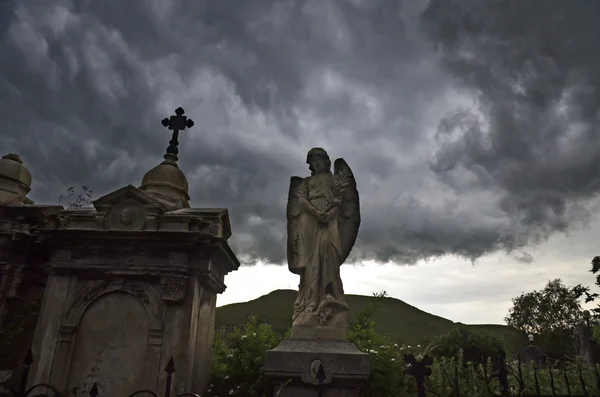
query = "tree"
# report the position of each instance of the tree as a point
(595, 313)
(475, 347)
(591, 297)
(550, 314)
(77, 200)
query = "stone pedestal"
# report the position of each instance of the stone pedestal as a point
(307, 367)
(133, 283)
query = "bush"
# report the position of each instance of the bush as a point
(237, 361)
(386, 367)
(475, 347)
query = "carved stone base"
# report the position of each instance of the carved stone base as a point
(324, 333)
(306, 367)
(308, 326)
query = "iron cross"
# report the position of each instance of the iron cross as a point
(177, 123)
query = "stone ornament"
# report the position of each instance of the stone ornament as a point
(316, 369)
(317, 372)
(173, 288)
(128, 215)
(206, 226)
(323, 216)
(93, 289)
(15, 180)
(90, 290)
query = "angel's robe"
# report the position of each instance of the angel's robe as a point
(319, 253)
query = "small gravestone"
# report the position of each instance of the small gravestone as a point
(323, 219)
(585, 345)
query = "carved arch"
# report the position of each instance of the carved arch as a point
(92, 291)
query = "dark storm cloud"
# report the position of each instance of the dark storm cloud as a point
(535, 69)
(84, 85)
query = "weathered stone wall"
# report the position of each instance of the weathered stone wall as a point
(132, 285)
(110, 294)
(23, 275)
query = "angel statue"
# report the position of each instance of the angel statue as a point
(323, 216)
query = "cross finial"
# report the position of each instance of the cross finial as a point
(177, 123)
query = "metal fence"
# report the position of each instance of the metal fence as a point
(420, 370)
(47, 390)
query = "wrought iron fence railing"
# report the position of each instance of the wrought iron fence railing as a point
(418, 369)
(47, 390)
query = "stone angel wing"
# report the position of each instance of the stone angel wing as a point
(349, 211)
(293, 218)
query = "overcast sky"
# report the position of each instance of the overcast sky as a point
(472, 127)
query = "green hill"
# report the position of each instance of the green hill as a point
(401, 321)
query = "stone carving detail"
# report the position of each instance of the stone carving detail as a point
(314, 368)
(139, 291)
(128, 215)
(174, 288)
(66, 333)
(64, 222)
(323, 219)
(317, 372)
(207, 226)
(155, 337)
(49, 220)
(214, 227)
(91, 290)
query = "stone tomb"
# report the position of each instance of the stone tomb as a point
(133, 283)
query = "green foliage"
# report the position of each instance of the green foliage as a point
(402, 322)
(549, 314)
(471, 378)
(386, 368)
(473, 347)
(556, 307)
(594, 314)
(596, 268)
(237, 361)
(238, 358)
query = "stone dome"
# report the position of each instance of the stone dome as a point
(167, 183)
(15, 180)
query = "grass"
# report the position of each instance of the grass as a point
(402, 322)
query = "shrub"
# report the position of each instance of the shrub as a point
(237, 361)
(238, 358)
(475, 347)
(387, 358)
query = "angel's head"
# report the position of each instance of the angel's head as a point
(318, 161)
